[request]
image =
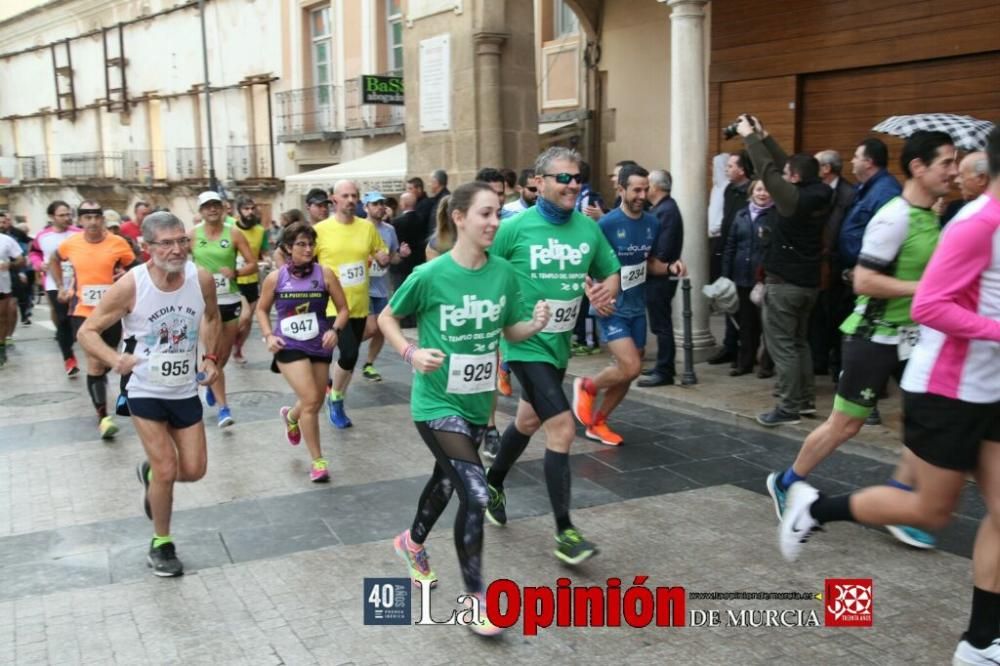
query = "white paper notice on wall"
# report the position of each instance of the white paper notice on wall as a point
(435, 83)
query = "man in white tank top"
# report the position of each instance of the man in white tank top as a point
(166, 305)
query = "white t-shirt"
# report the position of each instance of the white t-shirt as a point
(9, 250)
(48, 241)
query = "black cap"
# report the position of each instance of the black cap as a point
(317, 196)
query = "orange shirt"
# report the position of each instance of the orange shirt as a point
(94, 267)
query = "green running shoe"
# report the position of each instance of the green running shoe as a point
(573, 548)
(496, 508)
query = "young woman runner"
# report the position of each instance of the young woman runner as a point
(463, 301)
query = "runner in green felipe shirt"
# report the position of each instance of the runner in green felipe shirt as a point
(463, 301)
(560, 255)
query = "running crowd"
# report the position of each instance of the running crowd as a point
(499, 290)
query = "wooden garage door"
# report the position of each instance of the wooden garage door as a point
(772, 100)
(839, 109)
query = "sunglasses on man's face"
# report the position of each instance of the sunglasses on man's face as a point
(533, 190)
(565, 178)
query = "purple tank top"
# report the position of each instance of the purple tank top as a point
(301, 304)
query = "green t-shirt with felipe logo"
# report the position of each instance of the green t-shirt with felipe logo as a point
(463, 313)
(552, 261)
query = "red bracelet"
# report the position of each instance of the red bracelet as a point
(210, 357)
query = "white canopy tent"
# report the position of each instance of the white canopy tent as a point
(383, 170)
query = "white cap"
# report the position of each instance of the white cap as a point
(208, 196)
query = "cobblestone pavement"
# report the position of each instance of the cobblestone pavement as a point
(275, 564)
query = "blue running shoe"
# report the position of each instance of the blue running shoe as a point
(911, 536)
(338, 419)
(225, 417)
(776, 493)
(209, 397)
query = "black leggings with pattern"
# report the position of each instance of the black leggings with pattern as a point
(454, 444)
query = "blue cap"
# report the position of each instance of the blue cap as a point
(372, 197)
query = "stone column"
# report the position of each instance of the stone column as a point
(488, 102)
(688, 152)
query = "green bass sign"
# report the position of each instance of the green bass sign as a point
(381, 89)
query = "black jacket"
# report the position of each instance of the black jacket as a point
(411, 230)
(670, 241)
(793, 242)
(843, 197)
(734, 199)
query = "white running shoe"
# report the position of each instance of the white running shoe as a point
(966, 655)
(797, 524)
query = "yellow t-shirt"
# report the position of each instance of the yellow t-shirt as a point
(347, 250)
(257, 238)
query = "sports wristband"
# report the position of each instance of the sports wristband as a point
(210, 357)
(408, 353)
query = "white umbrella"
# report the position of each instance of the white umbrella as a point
(967, 132)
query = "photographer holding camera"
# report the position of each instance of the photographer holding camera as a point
(792, 248)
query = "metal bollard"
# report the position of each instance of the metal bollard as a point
(688, 378)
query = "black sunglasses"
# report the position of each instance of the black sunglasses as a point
(564, 178)
(532, 189)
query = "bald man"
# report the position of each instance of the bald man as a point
(972, 180)
(348, 245)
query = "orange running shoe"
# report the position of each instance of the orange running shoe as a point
(600, 432)
(503, 382)
(583, 403)
(72, 369)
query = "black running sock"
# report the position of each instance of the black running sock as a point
(831, 509)
(984, 622)
(512, 445)
(557, 479)
(97, 387)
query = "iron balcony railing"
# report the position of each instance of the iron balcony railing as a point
(249, 162)
(144, 166)
(361, 116)
(34, 167)
(308, 111)
(91, 165)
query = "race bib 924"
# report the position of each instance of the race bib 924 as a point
(563, 315)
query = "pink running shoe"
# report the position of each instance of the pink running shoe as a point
(484, 627)
(292, 432)
(318, 473)
(419, 565)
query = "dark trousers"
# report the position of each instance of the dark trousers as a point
(659, 298)
(750, 330)
(64, 328)
(580, 329)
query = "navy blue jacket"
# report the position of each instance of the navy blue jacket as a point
(744, 252)
(871, 195)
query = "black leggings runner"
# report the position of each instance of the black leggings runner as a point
(64, 329)
(457, 467)
(349, 341)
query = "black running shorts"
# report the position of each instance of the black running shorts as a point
(541, 387)
(111, 335)
(948, 433)
(867, 367)
(178, 414)
(292, 355)
(230, 312)
(251, 291)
